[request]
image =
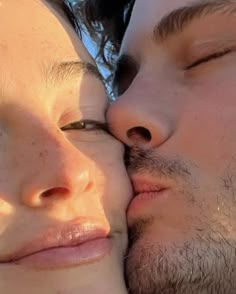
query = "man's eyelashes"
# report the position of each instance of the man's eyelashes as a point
(209, 58)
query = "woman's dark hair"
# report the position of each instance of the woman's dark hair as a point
(106, 21)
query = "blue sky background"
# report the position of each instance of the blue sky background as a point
(90, 46)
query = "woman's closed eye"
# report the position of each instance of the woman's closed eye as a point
(86, 125)
(209, 58)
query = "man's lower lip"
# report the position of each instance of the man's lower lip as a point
(144, 200)
(63, 257)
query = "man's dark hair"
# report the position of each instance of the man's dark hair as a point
(106, 21)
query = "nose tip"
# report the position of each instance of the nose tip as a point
(136, 125)
(58, 181)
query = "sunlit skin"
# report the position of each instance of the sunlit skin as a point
(54, 172)
(178, 107)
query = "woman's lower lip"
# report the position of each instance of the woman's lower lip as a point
(144, 201)
(62, 257)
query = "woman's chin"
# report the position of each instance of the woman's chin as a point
(101, 276)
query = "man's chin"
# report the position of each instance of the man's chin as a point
(200, 265)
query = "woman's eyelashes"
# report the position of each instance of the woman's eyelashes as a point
(209, 58)
(86, 125)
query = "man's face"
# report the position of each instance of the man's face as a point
(177, 111)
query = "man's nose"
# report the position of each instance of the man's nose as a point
(136, 120)
(53, 171)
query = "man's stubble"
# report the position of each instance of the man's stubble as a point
(202, 263)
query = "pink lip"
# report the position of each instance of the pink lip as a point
(145, 193)
(73, 244)
(143, 186)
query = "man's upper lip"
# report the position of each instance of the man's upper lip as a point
(68, 235)
(147, 186)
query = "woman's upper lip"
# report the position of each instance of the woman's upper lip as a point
(67, 235)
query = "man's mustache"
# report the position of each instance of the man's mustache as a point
(140, 160)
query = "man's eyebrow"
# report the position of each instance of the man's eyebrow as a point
(177, 20)
(68, 70)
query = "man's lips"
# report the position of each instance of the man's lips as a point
(145, 192)
(72, 244)
(144, 186)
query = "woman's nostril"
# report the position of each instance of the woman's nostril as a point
(54, 191)
(139, 135)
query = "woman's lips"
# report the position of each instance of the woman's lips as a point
(61, 257)
(71, 245)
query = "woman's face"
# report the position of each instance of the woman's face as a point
(63, 186)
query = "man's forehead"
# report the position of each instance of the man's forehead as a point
(159, 8)
(156, 9)
(147, 16)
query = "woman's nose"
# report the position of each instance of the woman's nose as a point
(56, 170)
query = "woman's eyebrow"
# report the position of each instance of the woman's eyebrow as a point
(64, 71)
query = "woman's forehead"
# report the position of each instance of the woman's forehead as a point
(34, 30)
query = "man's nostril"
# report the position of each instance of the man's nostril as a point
(139, 135)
